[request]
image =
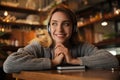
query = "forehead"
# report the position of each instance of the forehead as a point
(60, 16)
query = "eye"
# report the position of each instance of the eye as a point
(66, 24)
(54, 24)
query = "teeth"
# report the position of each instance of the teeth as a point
(60, 35)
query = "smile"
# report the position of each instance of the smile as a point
(60, 35)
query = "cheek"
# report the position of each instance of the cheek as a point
(69, 31)
(51, 32)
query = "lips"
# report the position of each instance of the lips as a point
(60, 35)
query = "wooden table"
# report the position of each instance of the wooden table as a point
(77, 75)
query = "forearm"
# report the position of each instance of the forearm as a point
(102, 59)
(19, 62)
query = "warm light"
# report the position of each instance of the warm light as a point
(113, 52)
(2, 29)
(117, 12)
(5, 13)
(104, 23)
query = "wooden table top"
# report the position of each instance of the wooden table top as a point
(68, 75)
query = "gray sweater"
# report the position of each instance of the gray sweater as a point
(35, 57)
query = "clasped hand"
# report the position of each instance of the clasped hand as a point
(62, 53)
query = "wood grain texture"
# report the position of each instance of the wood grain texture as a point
(79, 75)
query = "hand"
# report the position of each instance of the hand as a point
(57, 60)
(61, 49)
(58, 56)
(58, 50)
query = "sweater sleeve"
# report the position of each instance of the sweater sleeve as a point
(97, 58)
(26, 59)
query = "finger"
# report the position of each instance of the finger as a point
(59, 48)
(57, 52)
(61, 55)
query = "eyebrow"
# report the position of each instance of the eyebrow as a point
(54, 20)
(63, 21)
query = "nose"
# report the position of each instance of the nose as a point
(60, 28)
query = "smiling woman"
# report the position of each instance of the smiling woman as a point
(61, 27)
(61, 19)
(66, 48)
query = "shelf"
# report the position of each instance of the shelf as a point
(107, 16)
(99, 12)
(18, 9)
(21, 24)
(87, 9)
(15, 23)
(114, 42)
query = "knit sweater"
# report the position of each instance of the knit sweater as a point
(36, 57)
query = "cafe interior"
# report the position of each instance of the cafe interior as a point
(21, 21)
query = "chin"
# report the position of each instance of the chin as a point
(60, 42)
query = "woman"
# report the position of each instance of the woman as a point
(65, 48)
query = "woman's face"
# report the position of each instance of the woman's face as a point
(60, 27)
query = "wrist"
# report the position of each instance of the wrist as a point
(76, 61)
(53, 64)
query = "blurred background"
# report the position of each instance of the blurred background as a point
(98, 23)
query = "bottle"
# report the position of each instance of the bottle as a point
(16, 43)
